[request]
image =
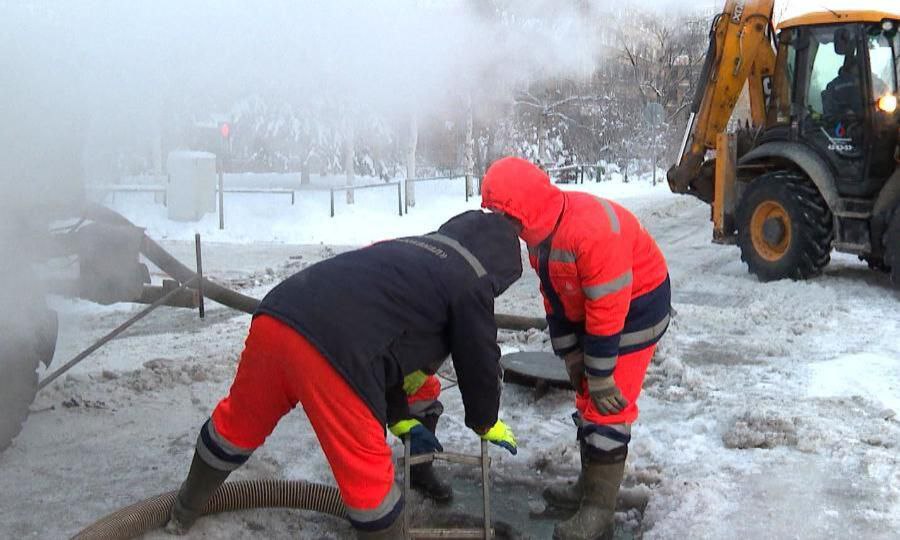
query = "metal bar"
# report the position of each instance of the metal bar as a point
(221, 200)
(332, 201)
(399, 200)
(110, 336)
(277, 191)
(437, 178)
(407, 445)
(447, 533)
(364, 186)
(293, 196)
(199, 276)
(133, 188)
(449, 457)
(486, 487)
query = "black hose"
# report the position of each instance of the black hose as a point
(145, 516)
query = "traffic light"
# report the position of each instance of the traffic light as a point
(225, 129)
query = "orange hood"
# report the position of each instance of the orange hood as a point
(521, 190)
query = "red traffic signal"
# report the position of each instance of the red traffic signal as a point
(225, 129)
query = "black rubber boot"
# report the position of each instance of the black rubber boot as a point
(202, 481)
(422, 477)
(394, 532)
(596, 517)
(567, 495)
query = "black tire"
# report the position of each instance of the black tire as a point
(18, 386)
(892, 248)
(21, 352)
(795, 240)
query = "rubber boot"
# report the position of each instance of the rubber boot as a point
(394, 532)
(202, 481)
(567, 495)
(422, 477)
(596, 517)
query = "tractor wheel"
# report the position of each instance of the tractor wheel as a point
(785, 228)
(20, 355)
(892, 248)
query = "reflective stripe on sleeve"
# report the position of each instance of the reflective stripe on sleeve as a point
(562, 342)
(562, 255)
(604, 365)
(598, 291)
(611, 214)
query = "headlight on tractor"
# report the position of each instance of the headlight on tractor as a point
(887, 103)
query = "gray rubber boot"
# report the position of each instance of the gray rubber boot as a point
(201, 482)
(597, 515)
(567, 495)
(394, 532)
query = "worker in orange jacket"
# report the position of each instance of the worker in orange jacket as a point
(606, 294)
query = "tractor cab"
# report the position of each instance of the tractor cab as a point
(836, 91)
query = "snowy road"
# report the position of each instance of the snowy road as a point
(769, 411)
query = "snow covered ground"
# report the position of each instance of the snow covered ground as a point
(768, 412)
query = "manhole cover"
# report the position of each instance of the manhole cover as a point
(534, 368)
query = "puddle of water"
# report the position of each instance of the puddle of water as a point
(511, 506)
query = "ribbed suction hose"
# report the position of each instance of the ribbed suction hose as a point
(153, 513)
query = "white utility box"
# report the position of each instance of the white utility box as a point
(191, 191)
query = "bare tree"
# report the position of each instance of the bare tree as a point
(411, 159)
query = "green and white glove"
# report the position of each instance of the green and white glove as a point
(501, 435)
(606, 395)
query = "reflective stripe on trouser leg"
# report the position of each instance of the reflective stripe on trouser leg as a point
(629, 378)
(352, 439)
(604, 437)
(218, 452)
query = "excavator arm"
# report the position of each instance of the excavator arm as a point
(740, 51)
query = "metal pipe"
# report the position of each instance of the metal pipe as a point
(199, 276)
(407, 445)
(449, 457)
(486, 486)
(110, 336)
(221, 200)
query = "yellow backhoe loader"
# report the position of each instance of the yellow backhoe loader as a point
(815, 167)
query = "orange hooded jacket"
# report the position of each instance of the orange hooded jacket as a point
(604, 280)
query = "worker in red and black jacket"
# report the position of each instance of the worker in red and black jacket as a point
(342, 337)
(606, 293)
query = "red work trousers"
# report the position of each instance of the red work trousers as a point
(629, 376)
(280, 368)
